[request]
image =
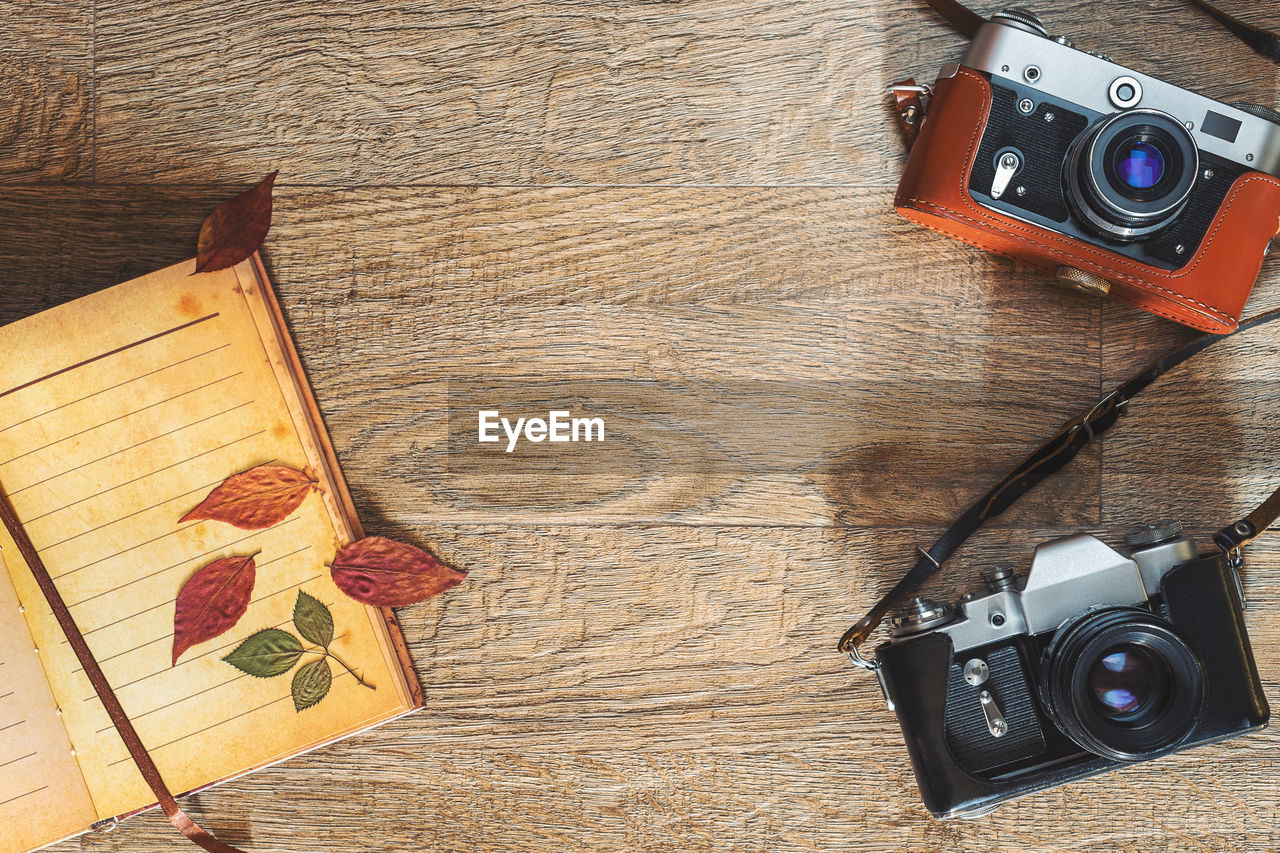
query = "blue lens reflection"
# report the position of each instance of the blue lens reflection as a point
(1122, 681)
(1140, 165)
(1119, 700)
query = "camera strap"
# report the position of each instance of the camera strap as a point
(1053, 455)
(1265, 42)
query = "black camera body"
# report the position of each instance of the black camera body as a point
(1095, 659)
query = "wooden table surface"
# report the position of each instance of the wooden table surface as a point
(675, 215)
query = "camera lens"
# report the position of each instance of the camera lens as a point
(1127, 680)
(1122, 683)
(1140, 165)
(1130, 175)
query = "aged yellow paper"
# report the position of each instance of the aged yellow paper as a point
(127, 408)
(42, 794)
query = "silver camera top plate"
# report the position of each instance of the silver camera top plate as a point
(1068, 576)
(1073, 76)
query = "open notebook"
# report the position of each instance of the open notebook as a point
(119, 412)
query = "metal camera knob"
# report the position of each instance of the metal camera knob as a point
(1264, 113)
(1023, 18)
(999, 577)
(919, 614)
(1153, 534)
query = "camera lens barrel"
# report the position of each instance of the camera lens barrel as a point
(1130, 174)
(1122, 683)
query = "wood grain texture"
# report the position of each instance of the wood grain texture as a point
(707, 337)
(587, 711)
(715, 91)
(46, 88)
(679, 213)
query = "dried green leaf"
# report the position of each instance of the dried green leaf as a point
(311, 683)
(313, 620)
(267, 653)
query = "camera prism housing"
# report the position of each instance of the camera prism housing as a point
(1116, 181)
(1095, 659)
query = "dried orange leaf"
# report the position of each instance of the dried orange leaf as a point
(255, 499)
(212, 601)
(386, 573)
(236, 228)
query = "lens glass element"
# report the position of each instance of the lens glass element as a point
(1140, 165)
(1122, 683)
(1123, 680)
(1130, 175)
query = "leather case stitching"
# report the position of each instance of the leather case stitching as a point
(1036, 236)
(1154, 309)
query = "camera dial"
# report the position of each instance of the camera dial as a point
(1153, 534)
(918, 615)
(1022, 19)
(1130, 175)
(1264, 113)
(999, 577)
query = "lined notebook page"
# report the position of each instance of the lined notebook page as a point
(128, 408)
(42, 795)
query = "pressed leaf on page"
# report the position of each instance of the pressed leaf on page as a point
(268, 653)
(386, 573)
(313, 620)
(236, 228)
(255, 499)
(311, 683)
(274, 652)
(212, 601)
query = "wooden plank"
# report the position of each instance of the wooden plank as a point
(676, 688)
(641, 657)
(716, 91)
(1200, 445)
(46, 87)
(807, 339)
(771, 356)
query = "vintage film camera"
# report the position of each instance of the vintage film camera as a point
(1113, 180)
(1095, 658)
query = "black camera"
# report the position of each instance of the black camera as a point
(1096, 658)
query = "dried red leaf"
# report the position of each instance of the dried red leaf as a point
(212, 601)
(255, 499)
(386, 573)
(236, 228)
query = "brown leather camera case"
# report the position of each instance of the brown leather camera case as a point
(1207, 293)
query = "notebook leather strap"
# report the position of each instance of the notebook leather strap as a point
(1265, 42)
(1057, 452)
(127, 732)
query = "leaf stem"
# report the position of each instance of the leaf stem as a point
(343, 664)
(358, 679)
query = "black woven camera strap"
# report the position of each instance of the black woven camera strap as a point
(1263, 41)
(1057, 452)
